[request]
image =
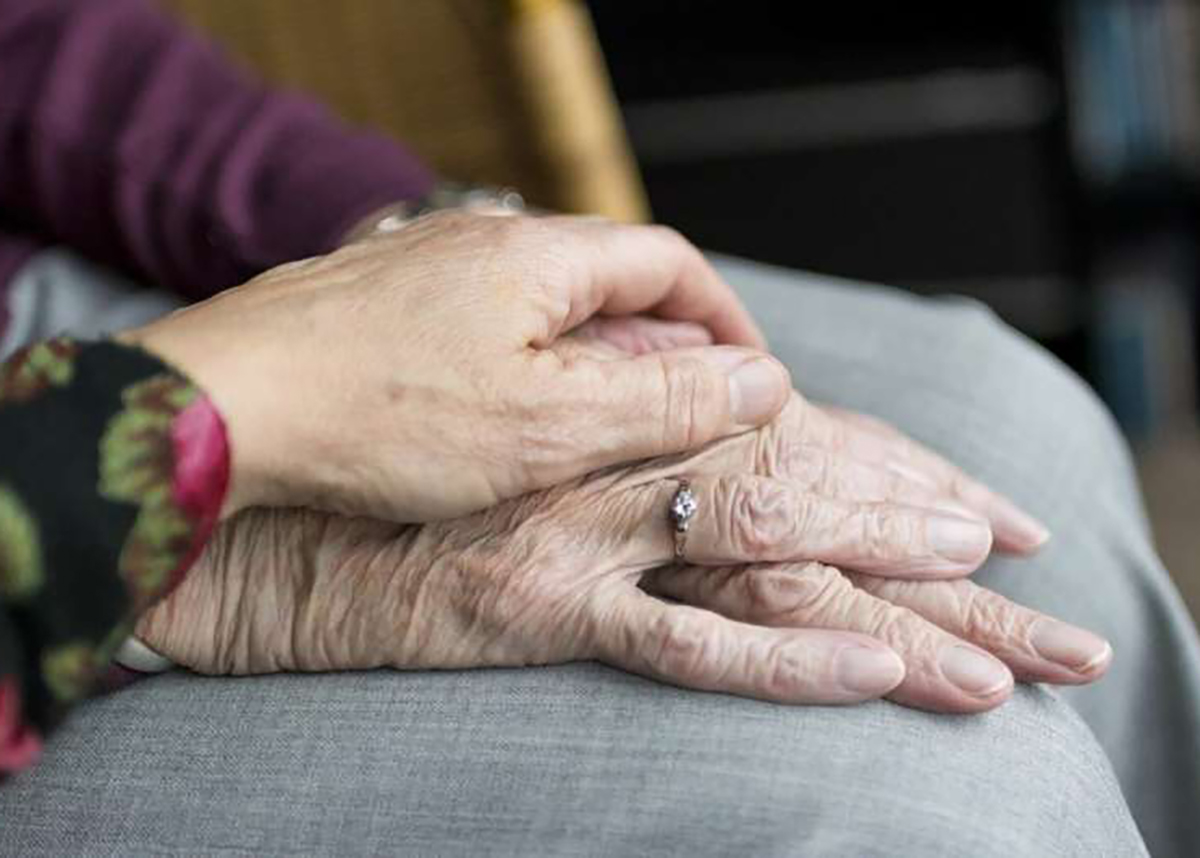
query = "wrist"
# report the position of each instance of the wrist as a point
(448, 195)
(243, 485)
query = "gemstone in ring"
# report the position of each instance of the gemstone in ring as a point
(682, 511)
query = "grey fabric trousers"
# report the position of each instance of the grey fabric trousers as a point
(585, 760)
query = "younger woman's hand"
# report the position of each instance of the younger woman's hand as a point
(410, 377)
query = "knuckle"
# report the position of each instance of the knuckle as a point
(775, 455)
(690, 391)
(890, 623)
(987, 619)
(786, 668)
(978, 617)
(890, 535)
(760, 516)
(781, 451)
(793, 593)
(810, 513)
(680, 646)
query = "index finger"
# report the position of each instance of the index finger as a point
(648, 269)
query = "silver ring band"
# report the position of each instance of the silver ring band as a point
(680, 513)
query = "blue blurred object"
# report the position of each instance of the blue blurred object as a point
(1133, 84)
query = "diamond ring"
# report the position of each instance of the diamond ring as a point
(682, 511)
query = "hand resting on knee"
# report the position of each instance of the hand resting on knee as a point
(586, 570)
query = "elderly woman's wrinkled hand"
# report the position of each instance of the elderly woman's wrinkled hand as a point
(410, 377)
(754, 610)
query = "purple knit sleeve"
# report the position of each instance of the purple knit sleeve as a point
(139, 144)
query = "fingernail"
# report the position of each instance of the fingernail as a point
(961, 540)
(1070, 646)
(869, 671)
(1023, 527)
(757, 390)
(975, 673)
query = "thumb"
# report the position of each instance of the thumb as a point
(673, 401)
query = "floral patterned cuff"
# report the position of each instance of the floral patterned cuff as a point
(113, 470)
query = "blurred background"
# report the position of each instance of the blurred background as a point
(1043, 157)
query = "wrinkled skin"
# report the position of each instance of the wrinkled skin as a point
(554, 576)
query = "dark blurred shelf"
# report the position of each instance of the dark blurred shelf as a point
(832, 116)
(1020, 153)
(906, 210)
(663, 49)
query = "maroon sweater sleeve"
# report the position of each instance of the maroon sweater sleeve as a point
(140, 145)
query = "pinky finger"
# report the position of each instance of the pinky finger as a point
(699, 649)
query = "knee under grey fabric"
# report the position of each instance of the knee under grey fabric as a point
(564, 761)
(953, 376)
(583, 760)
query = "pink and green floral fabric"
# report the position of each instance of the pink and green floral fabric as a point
(114, 471)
